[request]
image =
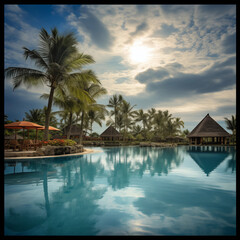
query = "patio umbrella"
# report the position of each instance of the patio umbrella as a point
(49, 128)
(22, 125)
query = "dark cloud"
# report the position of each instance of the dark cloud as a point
(98, 32)
(229, 44)
(219, 77)
(139, 29)
(150, 75)
(17, 102)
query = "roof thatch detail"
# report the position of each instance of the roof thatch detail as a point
(111, 132)
(75, 130)
(208, 127)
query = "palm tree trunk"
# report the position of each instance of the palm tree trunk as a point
(70, 126)
(81, 129)
(48, 112)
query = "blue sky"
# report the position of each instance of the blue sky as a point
(180, 58)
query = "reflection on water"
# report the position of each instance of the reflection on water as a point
(83, 195)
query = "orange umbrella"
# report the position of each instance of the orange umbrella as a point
(49, 128)
(22, 125)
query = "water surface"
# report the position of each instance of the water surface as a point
(124, 191)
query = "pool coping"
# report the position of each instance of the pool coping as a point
(86, 151)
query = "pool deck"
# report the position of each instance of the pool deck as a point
(13, 155)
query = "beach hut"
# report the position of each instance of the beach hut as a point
(208, 131)
(111, 134)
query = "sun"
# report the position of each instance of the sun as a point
(139, 53)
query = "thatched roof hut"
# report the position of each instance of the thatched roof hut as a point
(208, 131)
(111, 134)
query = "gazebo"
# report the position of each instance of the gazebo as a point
(111, 134)
(208, 131)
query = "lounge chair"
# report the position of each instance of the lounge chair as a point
(6, 144)
(14, 144)
(26, 144)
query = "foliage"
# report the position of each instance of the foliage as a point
(59, 142)
(61, 66)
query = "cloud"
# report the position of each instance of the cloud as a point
(166, 30)
(141, 28)
(215, 78)
(151, 75)
(229, 44)
(97, 31)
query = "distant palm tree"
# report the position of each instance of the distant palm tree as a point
(35, 115)
(127, 112)
(186, 132)
(151, 113)
(94, 90)
(96, 113)
(140, 116)
(60, 65)
(137, 130)
(115, 102)
(231, 123)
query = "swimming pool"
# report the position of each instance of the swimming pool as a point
(185, 190)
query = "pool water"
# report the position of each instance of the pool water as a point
(185, 190)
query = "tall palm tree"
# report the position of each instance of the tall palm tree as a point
(158, 122)
(58, 63)
(115, 102)
(140, 116)
(128, 113)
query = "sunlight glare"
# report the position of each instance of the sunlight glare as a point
(139, 53)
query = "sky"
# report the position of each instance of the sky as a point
(180, 58)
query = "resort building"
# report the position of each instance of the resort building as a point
(208, 131)
(111, 134)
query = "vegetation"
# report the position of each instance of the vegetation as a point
(59, 142)
(232, 125)
(59, 65)
(140, 125)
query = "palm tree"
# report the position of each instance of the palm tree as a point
(140, 116)
(137, 130)
(96, 113)
(35, 115)
(127, 112)
(158, 123)
(186, 132)
(59, 63)
(94, 91)
(231, 123)
(68, 104)
(114, 102)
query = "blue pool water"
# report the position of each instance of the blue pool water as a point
(124, 191)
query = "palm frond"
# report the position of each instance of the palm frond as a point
(36, 57)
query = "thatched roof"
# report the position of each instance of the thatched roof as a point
(111, 132)
(208, 127)
(75, 130)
